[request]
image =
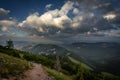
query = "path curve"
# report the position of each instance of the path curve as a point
(37, 73)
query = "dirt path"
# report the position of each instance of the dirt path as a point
(37, 73)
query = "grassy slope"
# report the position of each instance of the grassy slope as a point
(78, 62)
(12, 66)
(57, 75)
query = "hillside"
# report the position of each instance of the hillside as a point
(46, 49)
(52, 49)
(69, 68)
(35, 72)
(100, 55)
(11, 66)
(78, 62)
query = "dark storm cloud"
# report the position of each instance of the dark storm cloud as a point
(104, 6)
(100, 8)
(85, 4)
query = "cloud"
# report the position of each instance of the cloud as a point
(69, 22)
(4, 28)
(102, 6)
(77, 21)
(7, 22)
(8, 26)
(110, 33)
(75, 11)
(13, 33)
(66, 8)
(88, 5)
(50, 19)
(3, 12)
(57, 21)
(109, 16)
(1, 35)
(98, 5)
(48, 6)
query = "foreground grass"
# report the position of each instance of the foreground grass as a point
(56, 74)
(11, 66)
(110, 76)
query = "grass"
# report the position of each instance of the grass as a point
(11, 66)
(57, 75)
(109, 76)
(78, 62)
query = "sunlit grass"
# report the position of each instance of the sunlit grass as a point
(57, 75)
(12, 66)
(78, 62)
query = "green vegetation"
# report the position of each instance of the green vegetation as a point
(73, 60)
(108, 76)
(57, 75)
(12, 66)
(28, 56)
(78, 62)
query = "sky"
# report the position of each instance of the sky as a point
(60, 21)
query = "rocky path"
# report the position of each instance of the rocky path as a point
(37, 73)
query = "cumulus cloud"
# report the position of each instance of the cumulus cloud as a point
(48, 19)
(8, 23)
(76, 21)
(57, 21)
(3, 12)
(52, 18)
(8, 26)
(66, 8)
(109, 16)
(48, 6)
(75, 11)
(4, 28)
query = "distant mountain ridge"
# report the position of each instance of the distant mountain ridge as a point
(102, 55)
(46, 49)
(53, 49)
